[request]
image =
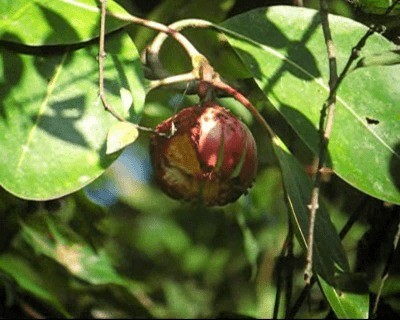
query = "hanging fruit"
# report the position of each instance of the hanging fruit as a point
(204, 154)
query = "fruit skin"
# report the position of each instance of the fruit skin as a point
(204, 154)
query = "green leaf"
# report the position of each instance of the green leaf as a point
(251, 247)
(283, 47)
(44, 22)
(83, 260)
(377, 6)
(329, 254)
(29, 279)
(53, 127)
(166, 11)
(330, 261)
(66, 247)
(347, 304)
(120, 135)
(126, 99)
(386, 58)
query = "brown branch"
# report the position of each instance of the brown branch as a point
(298, 3)
(153, 49)
(327, 114)
(30, 311)
(101, 58)
(342, 234)
(183, 41)
(355, 51)
(325, 128)
(219, 84)
(184, 77)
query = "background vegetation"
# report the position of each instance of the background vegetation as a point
(89, 235)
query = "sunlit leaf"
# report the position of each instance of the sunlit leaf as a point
(120, 135)
(126, 99)
(43, 22)
(53, 127)
(284, 48)
(352, 303)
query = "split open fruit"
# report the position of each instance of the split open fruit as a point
(204, 154)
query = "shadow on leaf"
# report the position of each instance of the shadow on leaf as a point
(62, 118)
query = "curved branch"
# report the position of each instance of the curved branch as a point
(183, 41)
(152, 51)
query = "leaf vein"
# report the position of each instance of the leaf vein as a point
(317, 80)
(340, 99)
(82, 5)
(42, 109)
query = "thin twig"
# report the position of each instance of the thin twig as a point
(152, 51)
(30, 311)
(184, 77)
(302, 297)
(219, 84)
(325, 128)
(278, 291)
(342, 234)
(355, 51)
(102, 56)
(280, 277)
(289, 269)
(386, 270)
(191, 50)
(284, 269)
(183, 41)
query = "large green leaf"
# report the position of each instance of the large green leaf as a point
(283, 47)
(53, 22)
(53, 127)
(330, 262)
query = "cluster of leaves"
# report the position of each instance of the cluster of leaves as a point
(139, 253)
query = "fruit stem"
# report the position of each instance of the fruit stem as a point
(219, 84)
(202, 69)
(184, 77)
(167, 30)
(152, 51)
(102, 57)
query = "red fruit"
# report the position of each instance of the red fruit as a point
(211, 157)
